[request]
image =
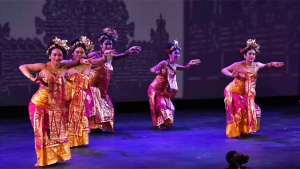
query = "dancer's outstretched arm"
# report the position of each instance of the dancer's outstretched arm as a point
(133, 49)
(186, 67)
(71, 64)
(269, 65)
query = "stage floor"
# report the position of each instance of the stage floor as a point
(197, 140)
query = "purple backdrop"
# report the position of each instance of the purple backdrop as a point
(213, 31)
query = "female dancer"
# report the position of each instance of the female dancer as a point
(98, 104)
(243, 115)
(48, 107)
(77, 80)
(162, 109)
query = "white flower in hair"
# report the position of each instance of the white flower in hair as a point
(83, 38)
(176, 42)
(176, 45)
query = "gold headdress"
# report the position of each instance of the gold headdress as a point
(86, 42)
(59, 42)
(251, 43)
(109, 32)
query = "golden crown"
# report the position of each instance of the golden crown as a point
(251, 43)
(59, 42)
(86, 42)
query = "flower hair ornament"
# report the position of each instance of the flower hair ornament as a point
(59, 42)
(109, 32)
(251, 43)
(175, 46)
(86, 42)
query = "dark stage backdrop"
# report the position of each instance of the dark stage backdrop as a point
(210, 30)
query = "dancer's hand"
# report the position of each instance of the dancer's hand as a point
(277, 64)
(87, 61)
(195, 62)
(234, 74)
(135, 49)
(110, 53)
(38, 77)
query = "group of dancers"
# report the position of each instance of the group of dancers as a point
(72, 97)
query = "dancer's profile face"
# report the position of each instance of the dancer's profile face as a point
(250, 56)
(174, 56)
(56, 55)
(78, 53)
(106, 45)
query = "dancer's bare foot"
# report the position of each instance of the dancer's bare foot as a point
(36, 165)
(162, 127)
(167, 126)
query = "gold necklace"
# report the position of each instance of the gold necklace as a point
(249, 67)
(80, 68)
(55, 71)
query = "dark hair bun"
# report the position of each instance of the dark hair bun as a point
(169, 45)
(74, 40)
(102, 33)
(244, 45)
(105, 37)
